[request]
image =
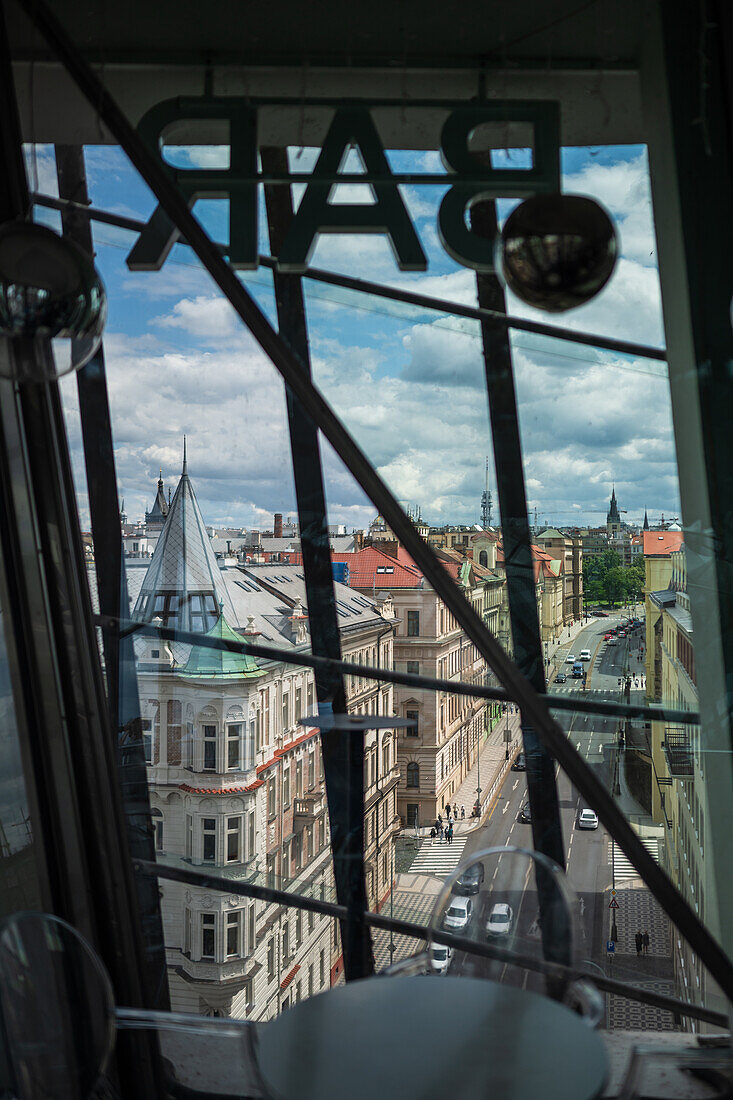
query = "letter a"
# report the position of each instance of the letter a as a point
(351, 126)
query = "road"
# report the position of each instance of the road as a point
(589, 871)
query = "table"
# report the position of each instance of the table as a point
(430, 1038)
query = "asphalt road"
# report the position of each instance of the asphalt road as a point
(508, 878)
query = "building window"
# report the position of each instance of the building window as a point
(270, 959)
(147, 724)
(298, 929)
(413, 814)
(286, 711)
(251, 835)
(233, 935)
(234, 749)
(309, 698)
(412, 731)
(298, 704)
(249, 756)
(299, 779)
(208, 936)
(483, 558)
(271, 803)
(158, 829)
(310, 979)
(413, 774)
(208, 832)
(322, 969)
(311, 769)
(234, 840)
(189, 836)
(311, 921)
(187, 932)
(210, 748)
(174, 731)
(286, 940)
(414, 667)
(413, 624)
(286, 786)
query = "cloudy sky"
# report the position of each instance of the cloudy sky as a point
(408, 383)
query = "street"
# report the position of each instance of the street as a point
(588, 851)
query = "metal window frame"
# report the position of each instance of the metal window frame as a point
(291, 368)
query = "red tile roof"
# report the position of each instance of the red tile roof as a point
(221, 790)
(367, 569)
(289, 976)
(660, 544)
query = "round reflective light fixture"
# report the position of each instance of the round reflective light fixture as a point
(557, 252)
(49, 291)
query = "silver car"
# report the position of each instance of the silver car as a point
(458, 914)
(500, 920)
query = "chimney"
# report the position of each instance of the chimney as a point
(278, 526)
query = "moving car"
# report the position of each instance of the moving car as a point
(570, 659)
(440, 957)
(612, 640)
(578, 670)
(600, 614)
(470, 879)
(520, 764)
(500, 919)
(457, 916)
(585, 655)
(525, 814)
(606, 636)
(561, 678)
(587, 819)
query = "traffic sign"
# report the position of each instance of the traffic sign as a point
(613, 904)
(610, 946)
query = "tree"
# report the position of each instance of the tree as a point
(616, 583)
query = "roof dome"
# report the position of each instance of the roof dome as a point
(220, 664)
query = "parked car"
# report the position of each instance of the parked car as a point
(440, 957)
(470, 879)
(585, 655)
(587, 819)
(525, 814)
(500, 920)
(569, 660)
(561, 678)
(457, 916)
(520, 764)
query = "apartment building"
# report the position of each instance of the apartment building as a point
(236, 779)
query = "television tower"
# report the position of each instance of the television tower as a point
(486, 501)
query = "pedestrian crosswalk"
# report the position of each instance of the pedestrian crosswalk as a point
(438, 858)
(623, 870)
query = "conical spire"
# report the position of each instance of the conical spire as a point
(184, 470)
(646, 521)
(183, 585)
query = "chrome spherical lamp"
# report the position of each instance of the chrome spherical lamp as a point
(556, 252)
(49, 291)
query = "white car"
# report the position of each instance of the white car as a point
(585, 655)
(458, 914)
(440, 956)
(587, 819)
(570, 659)
(500, 920)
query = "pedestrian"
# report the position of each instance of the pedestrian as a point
(639, 940)
(440, 830)
(455, 812)
(463, 812)
(450, 835)
(432, 833)
(438, 822)
(645, 942)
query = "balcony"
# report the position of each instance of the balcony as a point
(308, 806)
(678, 751)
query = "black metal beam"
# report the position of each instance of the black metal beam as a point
(520, 580)
(555, 740)
(398, 294)
(409, 679)
(342, 749)
(119, 655)
(207, 881)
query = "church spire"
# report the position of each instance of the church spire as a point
(184, 469)
(646, 521)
